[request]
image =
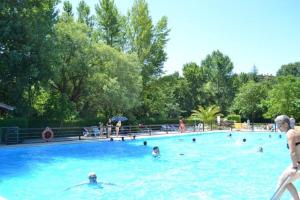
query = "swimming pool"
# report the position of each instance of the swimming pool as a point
(214, 167)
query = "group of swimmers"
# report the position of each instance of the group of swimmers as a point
(260, 148)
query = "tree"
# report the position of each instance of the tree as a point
(206, 115)
(84, 14)
(68, 9)
(248, 101)
(115, 85)
(196, 80)
(289, 69)
(26, 50)
(147, 41)
(253, 75)
(284, 98)
(219, 87)
(109, 22)
(160, 98)
(72, 64)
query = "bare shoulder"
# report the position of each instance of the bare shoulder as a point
(291, 133)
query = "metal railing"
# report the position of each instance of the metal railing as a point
(16, 135)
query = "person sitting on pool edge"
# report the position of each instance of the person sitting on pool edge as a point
(293, 137)
(155, 151)
(92, 182)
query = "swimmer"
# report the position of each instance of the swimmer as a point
(244, 140)
(145, 143)
(194, 139)
(92, 182)
(270, 136)
(133, 137)
(123, 139)
(155, 151)
(260, 149)
(229, 135)
(111, 139)
(280, 136)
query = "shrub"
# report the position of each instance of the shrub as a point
(235, 118)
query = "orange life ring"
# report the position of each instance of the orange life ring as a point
(47, 134)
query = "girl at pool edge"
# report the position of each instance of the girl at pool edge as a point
(293, 138)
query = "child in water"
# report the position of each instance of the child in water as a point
(155, 151)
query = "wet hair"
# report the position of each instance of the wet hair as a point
(145, 143)
(156, 147)
(194, 139)
(282, 119)
(111, 139)
(244, 140)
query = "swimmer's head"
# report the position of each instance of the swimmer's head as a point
(194, 139)
(155, 150)
(145, 143)
(92, 177)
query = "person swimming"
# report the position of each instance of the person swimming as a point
(260, 149)
(92, 182)
(145, 143)
(155, 151)
(194, 139)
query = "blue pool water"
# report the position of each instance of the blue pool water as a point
(214, 167)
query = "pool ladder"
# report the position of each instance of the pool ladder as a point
(281, 189)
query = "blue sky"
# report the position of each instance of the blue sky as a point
(264, 33)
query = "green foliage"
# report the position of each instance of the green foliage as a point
(284, 98)
(109, 23)
(25, 50)
(195, 81)
(68, 9)
(249, 99)
(159, 98)
(233, 117)
(16, 121)
(60, 71)
(206, 115)
(84, 14)
(219, 86)
(292, 69)
(116, 83)
(147, 41)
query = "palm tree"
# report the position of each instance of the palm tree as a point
(207, 115)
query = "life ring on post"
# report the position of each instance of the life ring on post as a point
(47, 134)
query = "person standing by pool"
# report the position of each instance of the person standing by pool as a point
(108, 126)
(293, 138)
(118, 126)
(181, 125)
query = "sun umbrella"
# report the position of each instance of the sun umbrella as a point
(118, 118)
